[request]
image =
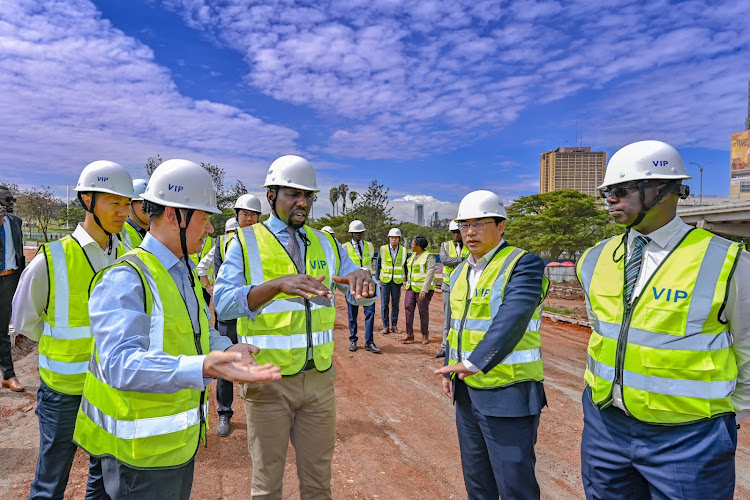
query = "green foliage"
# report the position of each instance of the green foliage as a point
(40, 206)
(551, 224)
(373, 209)
(72, 216)
(333, 195)
(435, 236)
(343, 189)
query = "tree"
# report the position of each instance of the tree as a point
(353, 196)
(374, 210)
(40, 206)
(152, 163)
(333, 195)
(551, 224)
(343, 189)
(71, 216)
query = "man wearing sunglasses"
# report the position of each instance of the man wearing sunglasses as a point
(667, 374)
(494, 354)
(12, 263)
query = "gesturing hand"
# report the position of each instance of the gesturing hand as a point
(360, 283)
(231, 366)
(303, 286)
(459, 369)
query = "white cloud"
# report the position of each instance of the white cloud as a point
(74, 89)
(403, 207)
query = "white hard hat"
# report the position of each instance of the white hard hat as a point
(356, 226)
(479, 204)
(231, 225)
(248, 202)
(644, 160)
(104, 176)
(291, 171)
(139, 186)
(394, 232)
(182, 184)
(328, 229)
(453, 226)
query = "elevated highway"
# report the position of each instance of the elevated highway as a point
(730, 219)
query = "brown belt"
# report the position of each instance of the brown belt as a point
(8, 271)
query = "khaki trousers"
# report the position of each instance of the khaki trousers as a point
(301, 408)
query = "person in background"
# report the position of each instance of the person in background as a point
(361, 252)
(391, 273)
(420, 287)
(136, 226)
(452, 253)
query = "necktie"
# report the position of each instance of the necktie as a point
(294, 250)
(633, 267)
(359, 250)
(2, 245)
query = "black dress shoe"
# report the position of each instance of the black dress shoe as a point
(440, 353)
(353, 346)
(372, 348)
(224, 427)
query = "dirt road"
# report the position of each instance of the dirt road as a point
(396, 436)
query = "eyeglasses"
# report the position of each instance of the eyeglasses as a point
(618, 192)
(476, 226)
(9, 199)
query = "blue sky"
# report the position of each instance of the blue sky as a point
(431, 98)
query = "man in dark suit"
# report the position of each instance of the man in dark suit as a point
(493, 367)
(12, 263)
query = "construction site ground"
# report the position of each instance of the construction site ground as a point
(395, 435)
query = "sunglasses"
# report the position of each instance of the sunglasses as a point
(9, 199)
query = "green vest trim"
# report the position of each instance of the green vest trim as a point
(148, 430)
(418, 272)
(66, 342)
(471, 317)
(367, 252)
(197, 257)
(389, 270)
(130, 237)
(450, 249)
(670, 351)
(286, 326)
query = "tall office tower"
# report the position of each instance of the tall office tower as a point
(434, 218)
(419, 214)
(576, 168)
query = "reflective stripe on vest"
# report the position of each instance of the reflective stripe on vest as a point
(286, 326)
(674, 355)
(389, 270)
(471, 317)
(148, 430)
(417, 266)
(197, 257)
(130, 236)
(66, 340)
(367, 252)
(450, 249)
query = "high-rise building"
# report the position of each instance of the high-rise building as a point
(419, 214)
(434, 218)
(739, 159)
(576, 168)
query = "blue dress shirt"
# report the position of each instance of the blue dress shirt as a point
(121, 330)
(230, 288)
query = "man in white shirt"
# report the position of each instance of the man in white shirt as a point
(668, 372)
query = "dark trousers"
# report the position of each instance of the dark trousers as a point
(412, 301)
(125, 483)
(369, 322)
(624, 458)
(390, 295)
(497, 453)
(8, 284)
(57, 418)
(225, 388)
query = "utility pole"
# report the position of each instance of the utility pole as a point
(700, 166)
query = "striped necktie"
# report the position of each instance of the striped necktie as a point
(633, 267)
(294, 250)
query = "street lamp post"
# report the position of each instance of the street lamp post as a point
(700, 167)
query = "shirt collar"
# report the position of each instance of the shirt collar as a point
(661, 236)
(276, 225)
(161, 252)
(85, 239)
(482, 262)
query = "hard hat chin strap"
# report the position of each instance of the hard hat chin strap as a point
(669, 188)
(138, 219)
(183, 242)
(96, 218)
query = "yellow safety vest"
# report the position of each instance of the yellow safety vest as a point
(130, 237)
(471, 317)
(670, 351)
(224, 241)
(148, 430)
(390, 270)
(66, 342)
(418, 272)
(450, 249)
(197, 257)
(287, 325)
(367, 252)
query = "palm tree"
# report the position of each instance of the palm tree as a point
(343, 189)
(353, 196)
(333, 195)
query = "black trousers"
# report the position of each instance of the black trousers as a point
(125, 483)
(8, 284)
(225, 388)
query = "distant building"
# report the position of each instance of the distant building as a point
(434, 219)
(739, 168)
(576, 168)
(419, 214)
